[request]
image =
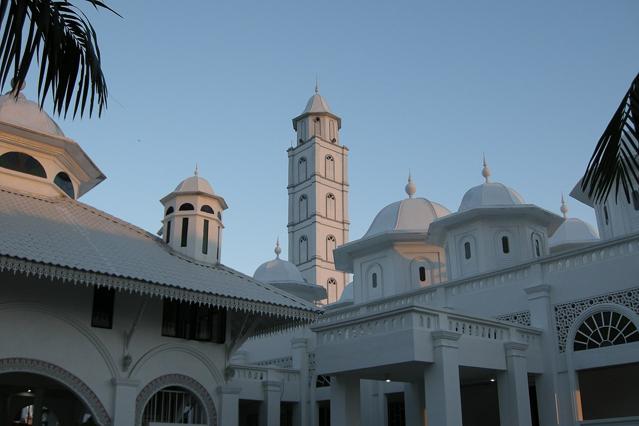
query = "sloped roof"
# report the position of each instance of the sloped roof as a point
(72, 235)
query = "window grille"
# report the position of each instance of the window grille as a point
(174, 405)
(607, 328)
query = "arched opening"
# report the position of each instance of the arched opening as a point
(174, 405)
(317, 127)
(35, 399)
(303, 249)
(331, 290)
(603, 329)
(63, 181)
(207, 209)
(186, 207)
(23, 163)
(302, 170)
(303, 207)
(505, 245)
(331, 244)
(329, 167)
(330, 206)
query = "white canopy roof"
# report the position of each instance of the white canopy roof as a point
(573, 231)
(490, 194)
(410, 214)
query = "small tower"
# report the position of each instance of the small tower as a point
(318, 196)
(192, 223)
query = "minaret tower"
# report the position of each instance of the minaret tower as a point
(318, 196)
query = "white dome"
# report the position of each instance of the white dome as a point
(25, 113)
(195, 184)
(278, 271)
(573, 231)
(411, 214)
(490, 194)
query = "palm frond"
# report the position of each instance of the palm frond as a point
(61, 38)
(615, 161)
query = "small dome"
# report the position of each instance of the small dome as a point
(490, 194)
(411, 214)
(573, 231)
(278, 271)
(25, 113)
(195, 184)
(316, 104)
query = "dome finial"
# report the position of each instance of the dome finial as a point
(15, 87)
(277, 250)
(410, 187)
(485, 171)
(316, 84)
(564, 207)
(197, 170)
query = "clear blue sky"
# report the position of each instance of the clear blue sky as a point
(426, 86)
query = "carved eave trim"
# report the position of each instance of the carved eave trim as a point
(76, 276)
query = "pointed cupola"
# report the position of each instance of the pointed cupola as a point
(192, 222)
(317, 121)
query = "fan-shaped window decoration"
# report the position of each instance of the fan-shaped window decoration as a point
(505, 245)
(186, 207)
(303, 252)
(467, 252)
(603, 329)
(303, 207)
(331, 244)
(174, 405)
(302, 170)
(169, 211)
(23, 163)
(330, 206)
(63, 181)
(330, 167)
(207, 209)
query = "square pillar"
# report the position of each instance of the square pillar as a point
(414, 404)
(299, 352)
(272, 402)
(345, 401)
(512, 387)
(441, 381)
(125, 394)
(229, 405)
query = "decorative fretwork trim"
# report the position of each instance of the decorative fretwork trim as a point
(521, 318)
(75, 276)
(567, 313)
(77, 386)
(175, 380)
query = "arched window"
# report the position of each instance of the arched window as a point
(174, 405)
(303, 207)
(302, 132)
(505, 245)
(169, 211)
(23, 163)
(331, 130)
(331, 286)
(467, 252)
(605, 328)
(302, 170)
(330, 167)
(207, 209)
(605, 209)
(330, 206)
(422, 273)
(317, 127)
(303, 249)
(536, 244)
(374, 280)
(331, 244)
(63, 181)
(186, 207)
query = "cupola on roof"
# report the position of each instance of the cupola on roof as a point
(572, 231)
(489, 194)
(410, 214)
(25, 113)
(317, 105)
(195, 183)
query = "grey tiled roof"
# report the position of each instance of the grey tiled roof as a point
(70, 234)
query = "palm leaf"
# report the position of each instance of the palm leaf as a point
(615, 162)
(60, 36)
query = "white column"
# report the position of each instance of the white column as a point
(547, 387)
(272, 401)
(345, 401)
(126, 392)
(441, 381)
(414, 404)
(299, 349)
(512, 386)
(229, 405)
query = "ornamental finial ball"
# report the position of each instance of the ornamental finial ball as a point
(564, 207)
(485, 171)
(410, 187)
(278, 250)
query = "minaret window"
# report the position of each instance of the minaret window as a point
(302, 134)
(185, 231)
(303, 208)
(303, 251)
(330, 206)
(169, 211)
(331, 131)
(331, 244)
(330, 167)
(467, 252)
(186, 207)
(505, 245)
(205, 237)
(23, 163)
(317, 123)
(63, 181)
(168, 231)
(374, 280)
(301, 170)
(207, 209)
(331, 285)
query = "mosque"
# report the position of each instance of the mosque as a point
(497, 313)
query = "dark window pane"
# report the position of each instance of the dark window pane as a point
(169, 211)
(505, 245)
(467, 253)
(635, 199)
(170, 318)
(422, 274)
(102, 314)
(63, 181)
(193, 322)
(186, 207)
(168, 231)
(205, 237)
(23, 163)
(207, 209)
(185, 231)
